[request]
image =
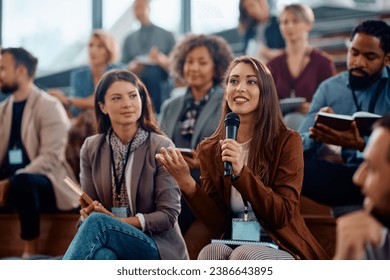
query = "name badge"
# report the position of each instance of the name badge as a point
(15, 156)
(120, 212)
(246, 230)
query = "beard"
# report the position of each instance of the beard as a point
(9, 89)
(362, 82)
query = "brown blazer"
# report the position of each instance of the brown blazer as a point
(45, 127)
(276, 206)
(154, 193)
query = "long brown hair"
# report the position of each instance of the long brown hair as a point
(268, 123)
(147, 121)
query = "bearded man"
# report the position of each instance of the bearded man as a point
(364, 87)
(33, 132)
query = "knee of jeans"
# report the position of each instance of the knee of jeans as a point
(105, 254)
(95, 219)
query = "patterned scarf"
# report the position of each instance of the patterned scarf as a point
(120, 151)
(191, 112)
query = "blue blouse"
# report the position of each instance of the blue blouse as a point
(81, 83)
(336, 93)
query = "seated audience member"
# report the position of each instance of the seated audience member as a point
(146, 53)
(365, 234)
(301, 68)
(32, 149)
(260, 31)
(200, 61)
(364, 87)
(135, 201)
(102, 54)
(267, 172)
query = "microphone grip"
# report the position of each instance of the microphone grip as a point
(231, 133)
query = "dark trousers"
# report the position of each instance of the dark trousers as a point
(29, 195)
(330, 183)
(154, 78)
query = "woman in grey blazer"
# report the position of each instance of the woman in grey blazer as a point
(135, 201)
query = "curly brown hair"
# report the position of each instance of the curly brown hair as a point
(219, 49)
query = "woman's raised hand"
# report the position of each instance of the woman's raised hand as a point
(174, 164)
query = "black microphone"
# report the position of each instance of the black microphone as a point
(232, 122)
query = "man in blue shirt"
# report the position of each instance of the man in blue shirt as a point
(364, 87)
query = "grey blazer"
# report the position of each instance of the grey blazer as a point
(206, 123)
(154, 192)
(45, 127)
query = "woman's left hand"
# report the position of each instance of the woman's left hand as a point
(101, 209)
(174, 164)
(134, 221)
(232, 152)
(95, 206)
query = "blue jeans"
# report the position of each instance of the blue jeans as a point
(101, 237)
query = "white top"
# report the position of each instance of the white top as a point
(236, 203)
